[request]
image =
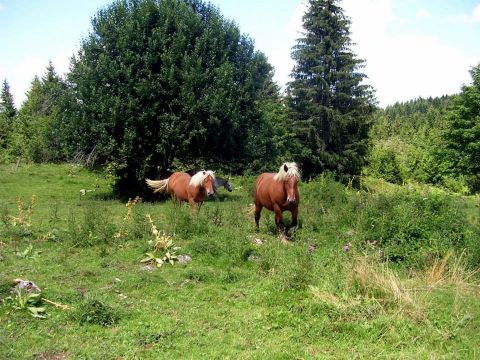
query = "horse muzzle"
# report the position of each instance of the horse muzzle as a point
(210, 194)
(291, 201)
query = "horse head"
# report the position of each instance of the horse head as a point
(228, 186)
(290, 176)
(209, 183)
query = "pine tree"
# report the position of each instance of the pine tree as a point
(463, 133)
(7, 106)
(41, 118)
(330, 105)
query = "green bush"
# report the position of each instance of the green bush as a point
(96, 312)
(410, 227)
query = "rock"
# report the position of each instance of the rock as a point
(184, 259)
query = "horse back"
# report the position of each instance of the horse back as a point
(178, 184)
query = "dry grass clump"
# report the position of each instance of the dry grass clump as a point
(375, 280)
(451, 271)
(369, 281)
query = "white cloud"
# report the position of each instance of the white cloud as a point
(280, 58)
(400, 66)
(476, 13)
(423, 13)
(472, 18)
(294, 25)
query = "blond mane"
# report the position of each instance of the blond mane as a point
(199, 177)
(292, 172)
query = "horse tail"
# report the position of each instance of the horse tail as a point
(158, 186)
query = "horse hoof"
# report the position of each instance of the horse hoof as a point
(284, 239)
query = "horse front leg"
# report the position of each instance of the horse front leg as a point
(193, 206)
(294, 222)
(279, 223)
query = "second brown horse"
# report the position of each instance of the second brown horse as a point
(183, 187)
(278, 193)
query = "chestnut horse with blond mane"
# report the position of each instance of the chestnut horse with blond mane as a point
(183, 187)
(278, 193)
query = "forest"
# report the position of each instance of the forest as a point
(383, 262)
(144, 95)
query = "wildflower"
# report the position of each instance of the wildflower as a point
(346, 247)
(311, 248)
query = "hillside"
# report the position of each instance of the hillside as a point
(382, 271)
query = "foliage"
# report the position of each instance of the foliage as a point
(7, 106)
(164, 250)
(24, 300)
(158, 81)
(37, 133)
(94, 311)
(7, 117)
(462, 135)
(406, 143)
(331, 106)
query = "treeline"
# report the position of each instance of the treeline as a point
(161, 84)
(434, 141)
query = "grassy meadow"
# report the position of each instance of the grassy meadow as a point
(373, 271)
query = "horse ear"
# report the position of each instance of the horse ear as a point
(285, 167)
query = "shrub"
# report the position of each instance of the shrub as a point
(96, 312)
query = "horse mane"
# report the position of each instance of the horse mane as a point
(199, 177)
(293, 171)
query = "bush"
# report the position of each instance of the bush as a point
(412, 227)
(96, 312)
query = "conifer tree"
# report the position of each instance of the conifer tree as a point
(7, 106)
(463, 132)
(330, 105)
(41, 117)
(7, 116)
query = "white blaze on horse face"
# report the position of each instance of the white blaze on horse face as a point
(291, 185)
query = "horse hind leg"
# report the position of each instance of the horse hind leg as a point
(258, 210)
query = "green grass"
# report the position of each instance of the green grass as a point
(235, 299)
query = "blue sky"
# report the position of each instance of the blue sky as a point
(412, 47)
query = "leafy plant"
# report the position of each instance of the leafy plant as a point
(28, 253)
(96, 312)
(22, 299)
(164, 250)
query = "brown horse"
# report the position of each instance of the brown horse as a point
(183, 187)
(278, 192)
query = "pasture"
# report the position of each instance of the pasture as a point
(377, 271)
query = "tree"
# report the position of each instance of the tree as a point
(462, 135)
(330, 105)
(7, 116)
(7, 105)
(159, 82)
(41, 118)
